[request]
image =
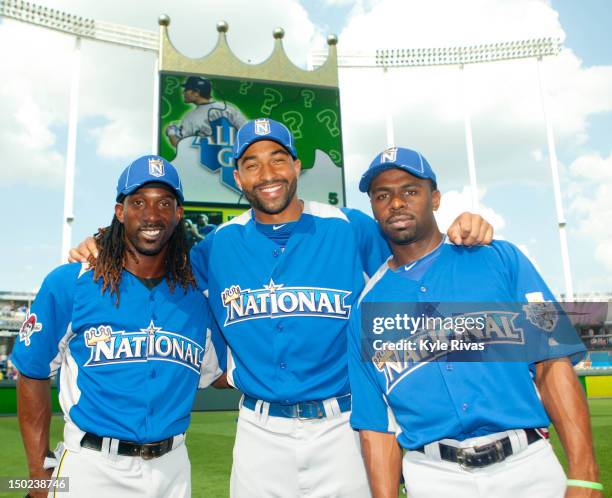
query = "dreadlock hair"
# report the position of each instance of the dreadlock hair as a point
(113, 251)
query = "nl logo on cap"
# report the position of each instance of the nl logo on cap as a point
(388, 155)
(156, 167)
(262, 127)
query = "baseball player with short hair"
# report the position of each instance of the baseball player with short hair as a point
(197, 122)
(470, 428)
(281, 280)
(131, 341)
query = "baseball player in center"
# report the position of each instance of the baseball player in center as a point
(281, 281)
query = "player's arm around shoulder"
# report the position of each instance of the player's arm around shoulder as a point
(470, 229)
(566, 405)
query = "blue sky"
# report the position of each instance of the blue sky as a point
(509, 140)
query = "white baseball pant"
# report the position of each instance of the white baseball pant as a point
(534, 471)
(276, 457)
(100, 474)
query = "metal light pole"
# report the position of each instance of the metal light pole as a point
(554, 169)
(80, 27)
(469, 142)
(388, 109)
(71, 148)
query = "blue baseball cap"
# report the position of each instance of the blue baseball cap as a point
(202, 85)
(409, 160)
(263, 129)
(149, 169)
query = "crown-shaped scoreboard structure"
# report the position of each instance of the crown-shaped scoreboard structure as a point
(223, 62)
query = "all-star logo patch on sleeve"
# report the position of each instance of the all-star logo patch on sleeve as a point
(29, 326)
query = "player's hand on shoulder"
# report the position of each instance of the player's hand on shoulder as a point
(85, 250)
(470, 229)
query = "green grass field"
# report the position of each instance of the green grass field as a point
(211, 435)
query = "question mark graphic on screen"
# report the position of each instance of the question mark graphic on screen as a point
(272, 100)
(172, 84)
(309, 97)
(245, 86)
(330, 119)
(335, 156)
(294, 121)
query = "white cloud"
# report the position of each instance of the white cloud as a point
(594, 213)
(33, 100)
(455, 202)
(591, 203)
(443, 22)
(592, 166)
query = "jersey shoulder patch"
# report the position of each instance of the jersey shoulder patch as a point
(321, 210)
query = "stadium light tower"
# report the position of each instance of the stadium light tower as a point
(537, 48)
(79, 27)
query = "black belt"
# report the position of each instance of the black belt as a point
(482, 456)
(146, 451)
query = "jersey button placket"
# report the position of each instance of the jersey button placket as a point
(150, 413)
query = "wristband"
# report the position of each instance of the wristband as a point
(585, 484)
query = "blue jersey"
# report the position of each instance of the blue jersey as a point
(128, 372)
(283, 305)
(425, 401)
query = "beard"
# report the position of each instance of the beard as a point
(403, 237)
(274, 206)
(150, 247)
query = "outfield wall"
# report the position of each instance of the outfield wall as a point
(209, 399)
(595, 384)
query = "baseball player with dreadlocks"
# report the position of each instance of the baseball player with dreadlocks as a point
(131, 341)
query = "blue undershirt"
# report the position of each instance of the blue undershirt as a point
(278, 233)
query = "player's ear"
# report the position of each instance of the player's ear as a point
(436, 197)
(237, 178)
(119, 211)
(297, 164)
(180, 211)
